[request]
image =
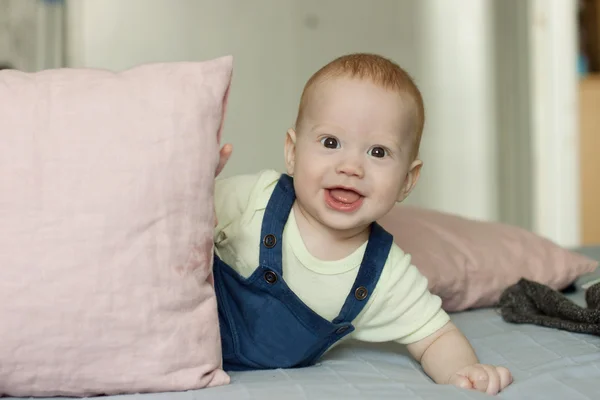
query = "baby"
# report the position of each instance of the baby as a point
(300, 261)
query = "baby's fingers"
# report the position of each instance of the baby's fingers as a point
(482, 377)
(505, 377)
(460, 381)
(224, 155)
(479, 377)
(493, 380)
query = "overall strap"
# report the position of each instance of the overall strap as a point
(374, 260)
(274, 220)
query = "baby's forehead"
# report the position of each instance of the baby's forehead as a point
(353, 104)
(351, 92)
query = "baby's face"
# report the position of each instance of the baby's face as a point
(352, 159)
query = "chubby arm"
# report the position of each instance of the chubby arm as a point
(443, 353)
(403, 310)
(448, 358)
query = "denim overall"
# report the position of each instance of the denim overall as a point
(263, 324)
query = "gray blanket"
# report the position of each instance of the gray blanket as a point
(546, 364)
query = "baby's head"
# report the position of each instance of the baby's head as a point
(353, 152)
(378, 71)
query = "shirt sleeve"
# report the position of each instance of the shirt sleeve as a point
(237, 198)
(231, 199)
(402, 308)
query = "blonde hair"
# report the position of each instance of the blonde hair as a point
(379, 70)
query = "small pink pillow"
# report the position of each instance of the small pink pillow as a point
(106, 210)
(469, 263)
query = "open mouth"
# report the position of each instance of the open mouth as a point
(343, 199)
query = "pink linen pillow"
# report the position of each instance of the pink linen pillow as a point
(106, 210)
(469, 263)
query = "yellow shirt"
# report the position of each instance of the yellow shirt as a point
(401, 308)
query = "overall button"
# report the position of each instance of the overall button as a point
(341, 330)
(361, 293)
(270, 241)
(270, 277)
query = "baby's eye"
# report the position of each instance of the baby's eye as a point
(378, 152)
(330, 143)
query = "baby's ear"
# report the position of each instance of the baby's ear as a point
(411, 179)
(290, 151)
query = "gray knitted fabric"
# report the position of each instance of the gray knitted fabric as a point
(528, 302)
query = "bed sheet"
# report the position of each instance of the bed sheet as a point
(546, 364)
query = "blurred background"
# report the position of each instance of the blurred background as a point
(511, 87)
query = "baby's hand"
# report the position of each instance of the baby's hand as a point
(484, 378)
(224, 155)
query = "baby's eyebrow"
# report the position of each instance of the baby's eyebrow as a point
(325, 127)
(391, 140)
(320, 126)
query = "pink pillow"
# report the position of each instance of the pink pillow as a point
(469, 263)
(106, 210)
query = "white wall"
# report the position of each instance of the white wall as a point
(554, 123)
(119, 34)
(278, 44)
(31, 34)
(457, 74)
(452, 51)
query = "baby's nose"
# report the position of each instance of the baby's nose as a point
(351, 167)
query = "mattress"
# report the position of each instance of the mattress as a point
(546, 364)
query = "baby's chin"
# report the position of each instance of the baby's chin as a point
(346, 224)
